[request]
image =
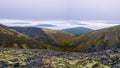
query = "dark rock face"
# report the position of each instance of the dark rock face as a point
(90, 48)
(14, 60)
(100, 47)
(104, 59)
(115, 62)
(115, 46)
(3, 64)
(33, 62)
(116, 66)
(16, 65)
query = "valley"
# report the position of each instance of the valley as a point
(31, 47)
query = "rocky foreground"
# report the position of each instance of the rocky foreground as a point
(33, 58)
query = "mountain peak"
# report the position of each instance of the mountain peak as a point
(77, 30)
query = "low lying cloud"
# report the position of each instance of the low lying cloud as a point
(59, 24)
(19, 23)
(45, 25)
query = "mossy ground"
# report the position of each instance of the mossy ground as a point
(52, 59)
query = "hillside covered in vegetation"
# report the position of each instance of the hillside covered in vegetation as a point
(98, 40)
(37, 38)
(12, 38)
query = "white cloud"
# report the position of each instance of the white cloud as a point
(97, 24)
(59, 24)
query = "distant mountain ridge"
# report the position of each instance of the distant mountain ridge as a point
(77, 30)
(37, 38)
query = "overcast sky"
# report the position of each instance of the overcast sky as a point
(104, 11)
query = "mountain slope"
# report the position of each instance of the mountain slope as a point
(63, 38)
(37, 34)
(4, 30)
(48, 36)
(12, 38)
(77, 30)
(106, 38)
